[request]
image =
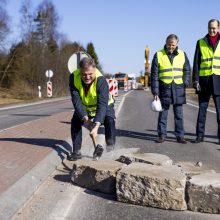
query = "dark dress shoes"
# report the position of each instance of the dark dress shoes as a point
(198, 140)
(160, 140)
(74, 156)
(181, 140)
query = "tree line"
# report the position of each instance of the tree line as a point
(41, 47)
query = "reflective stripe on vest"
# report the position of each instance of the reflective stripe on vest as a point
(90, 101)
(210, 61)
(171, 72)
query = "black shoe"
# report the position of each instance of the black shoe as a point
(98, 152)
(198, 140)
(160, 139)
(181, 140)
(74, 156)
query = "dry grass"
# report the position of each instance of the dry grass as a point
(6, 101)
(11, 96)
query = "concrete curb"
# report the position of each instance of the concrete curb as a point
(18, 194)
(16, 197)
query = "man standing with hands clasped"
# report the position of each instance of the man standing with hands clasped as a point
(170, 75)
(206, 76)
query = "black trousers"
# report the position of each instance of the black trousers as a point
(76, 132)
(203, 105)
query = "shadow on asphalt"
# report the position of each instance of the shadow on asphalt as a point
(187, 133)
(137, 135)
(101, 195)
(60, 146)
(29, 115)
(66, 178)
(65, 122)
(153, 137)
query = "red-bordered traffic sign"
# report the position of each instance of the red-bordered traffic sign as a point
(49, 89)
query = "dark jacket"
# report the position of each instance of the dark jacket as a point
(206, 82)
(169, 93)
(103, 109)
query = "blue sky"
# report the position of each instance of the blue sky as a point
(120, 29)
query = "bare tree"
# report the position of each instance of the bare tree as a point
(4, 28)
(46, 22)
(27, 20)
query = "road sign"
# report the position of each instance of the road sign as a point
(49, 89)
(49, 73)
(73, 62)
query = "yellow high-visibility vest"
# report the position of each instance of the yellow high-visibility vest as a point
(90, 101)
(171, 72)
(210, 60)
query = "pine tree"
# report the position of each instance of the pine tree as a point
(91, 51)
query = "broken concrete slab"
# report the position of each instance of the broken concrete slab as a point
(191, 169)
(150, 185)
(203, 193)
(96, 175)
(115, 154)
(153, 158)
(149, 158)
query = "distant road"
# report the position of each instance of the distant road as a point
(18, 114)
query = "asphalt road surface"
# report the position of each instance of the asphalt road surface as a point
(58, 198)
(15, 115)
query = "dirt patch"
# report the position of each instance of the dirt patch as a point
(9, 97)
(7, 101)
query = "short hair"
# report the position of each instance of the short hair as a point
(212, 20)
(86, 62)
(172, 36)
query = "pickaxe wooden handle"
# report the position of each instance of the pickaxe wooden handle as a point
(93, 140)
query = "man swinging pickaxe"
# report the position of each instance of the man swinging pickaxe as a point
(92, 101)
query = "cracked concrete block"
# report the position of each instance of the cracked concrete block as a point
(150, 185)
(203, 193)
(96, 175)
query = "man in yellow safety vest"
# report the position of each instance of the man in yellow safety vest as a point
(206, 76)
(92, 103)
(170, 75)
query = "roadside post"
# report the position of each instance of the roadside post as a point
(39, 92)
(49, 74)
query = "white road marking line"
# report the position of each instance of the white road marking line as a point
(34, 103)
(196, 106)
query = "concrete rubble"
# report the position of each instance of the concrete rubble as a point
(149, 158)
(151, 179)
(151, 185)
(203, 193)
(96, 175)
